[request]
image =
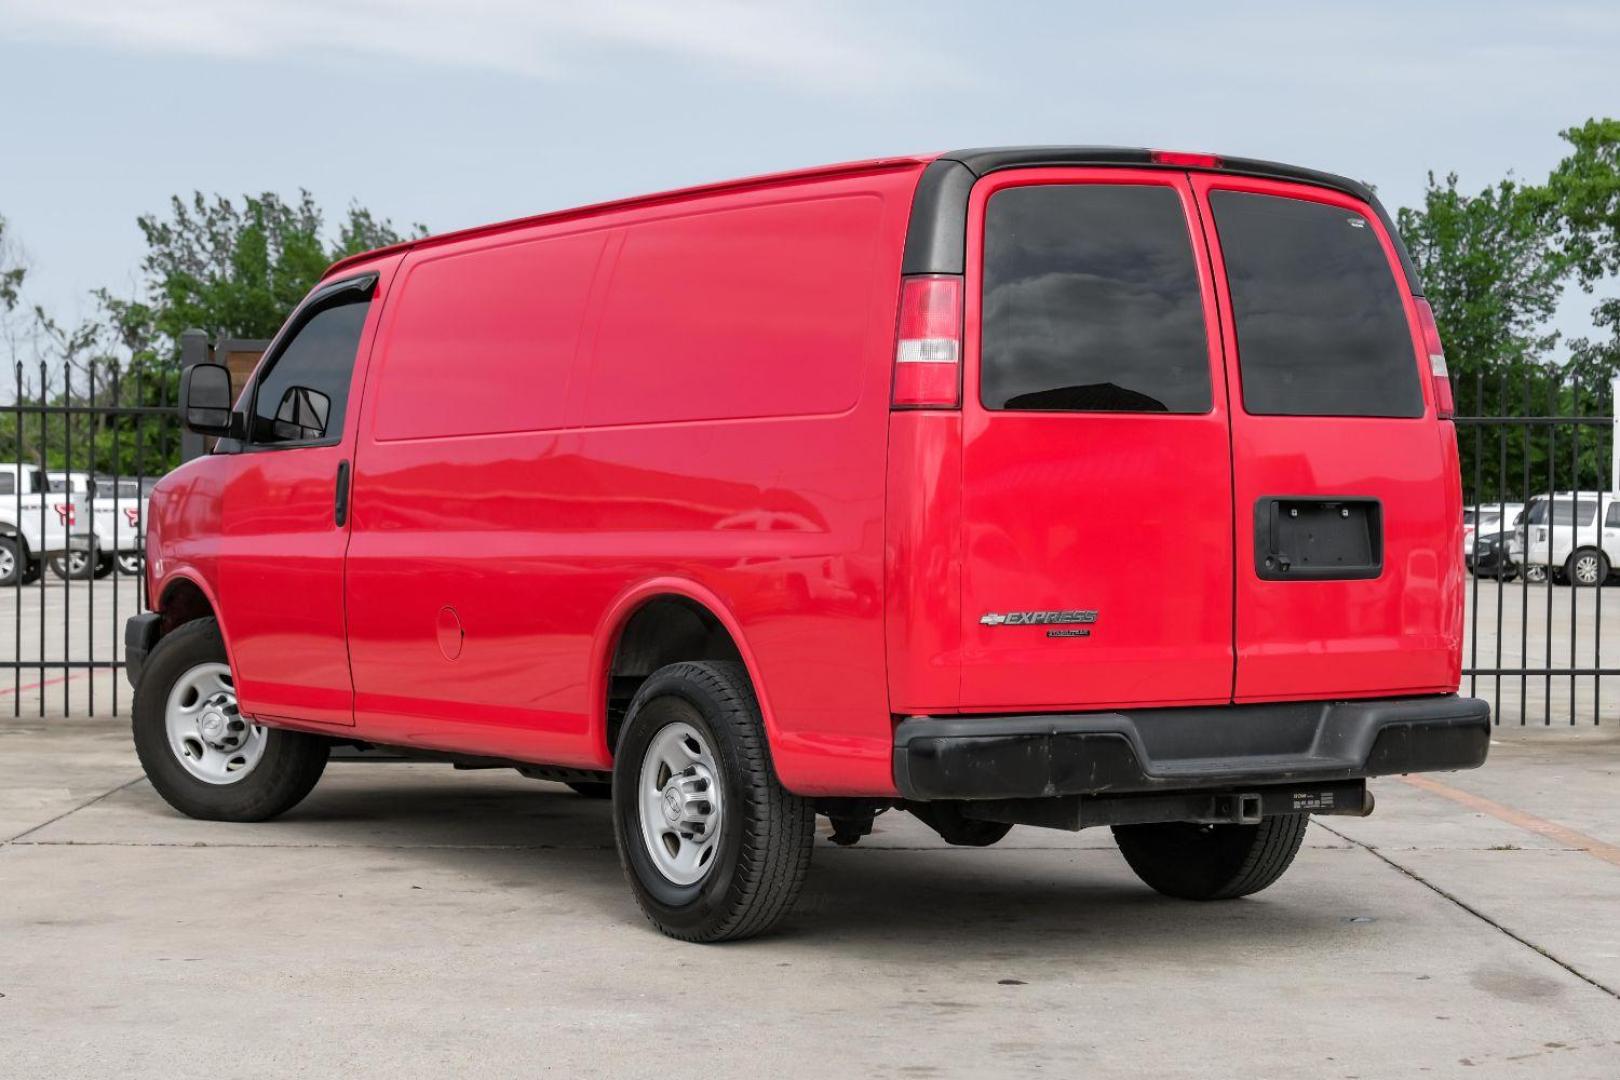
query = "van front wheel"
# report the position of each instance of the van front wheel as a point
(714, 847)
(201, 754)
(1212, 862)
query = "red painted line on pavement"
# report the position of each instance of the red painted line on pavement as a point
(35, 686)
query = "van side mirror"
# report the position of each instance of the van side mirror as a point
(205, 395)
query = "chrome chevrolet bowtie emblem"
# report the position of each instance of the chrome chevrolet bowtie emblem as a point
(1037, 618)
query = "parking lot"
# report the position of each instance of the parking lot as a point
(413, 920)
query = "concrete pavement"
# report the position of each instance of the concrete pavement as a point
(409, 920)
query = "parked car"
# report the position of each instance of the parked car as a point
(37, 524)
(117, 508)
(840, 492)
(1498, 518)
(1573, 537)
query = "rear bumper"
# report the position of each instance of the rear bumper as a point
(1163, 750)
(140, 635)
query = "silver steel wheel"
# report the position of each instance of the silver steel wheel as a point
(129, 564)
(1535, 573)
(207, 732)
(680, 803)
(8, 563)
(1586, 569)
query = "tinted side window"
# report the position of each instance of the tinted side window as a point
(1321, 329)
(1091, 302)
(1611, 518)
(8, 483)
(303, 396)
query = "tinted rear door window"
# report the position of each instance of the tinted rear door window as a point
(1321, 330)
(1091, 302)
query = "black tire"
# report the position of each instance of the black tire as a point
(1212, 862)
(36, 570)
(592, 789)
(766, 834)
(74, 566)
(14, 562)
(291, 764)
(104, 566)
(1600, 570)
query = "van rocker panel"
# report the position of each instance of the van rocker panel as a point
(1036, 756)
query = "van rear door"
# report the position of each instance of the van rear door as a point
(1347, 503)
(1097, 489)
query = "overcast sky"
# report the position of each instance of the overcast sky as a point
(457, 112)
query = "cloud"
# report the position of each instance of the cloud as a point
(820, 48)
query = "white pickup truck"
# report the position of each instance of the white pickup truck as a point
(118, 512)
(37, 524)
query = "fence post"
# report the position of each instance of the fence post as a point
(193, 350)
(1614, 443)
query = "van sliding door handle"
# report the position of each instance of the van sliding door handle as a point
(340, 506)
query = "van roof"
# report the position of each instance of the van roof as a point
(938, 223)
(672, 195)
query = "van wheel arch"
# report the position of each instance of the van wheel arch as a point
(184, 601)
(664, 629)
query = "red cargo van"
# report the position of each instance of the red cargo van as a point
(1057, 486)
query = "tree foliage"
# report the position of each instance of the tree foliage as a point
(1582, 198)
(1490, 269)
(230, 268)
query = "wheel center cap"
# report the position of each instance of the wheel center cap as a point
(211, 725)
(672, 805)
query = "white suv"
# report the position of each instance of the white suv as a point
(1575, 535)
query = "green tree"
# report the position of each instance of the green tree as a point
(235, 269)
(230, 268)
(1582, 197)
(12, 271)
(1492, 271)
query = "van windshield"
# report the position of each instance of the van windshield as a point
(1321, 327)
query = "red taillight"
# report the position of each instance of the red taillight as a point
(1445, 403)
(1184, 160)
(928, 343)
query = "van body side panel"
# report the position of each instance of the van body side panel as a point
(1084, 503)
(733, 433)
(1391, 631)
(464, 631)
(923, 583)
(724, 416)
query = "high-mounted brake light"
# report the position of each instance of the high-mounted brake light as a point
(928, 343)
(1445, 402)
(1184, 160)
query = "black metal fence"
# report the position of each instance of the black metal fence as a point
(1539, 480)
(1535, 619)
(80, 447)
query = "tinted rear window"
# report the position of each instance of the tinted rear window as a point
(1091, 302)
(1321, 330)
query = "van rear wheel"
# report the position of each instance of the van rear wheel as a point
(201, 754)
(1212, 862)
(714, 847)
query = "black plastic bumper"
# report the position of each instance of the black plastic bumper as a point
(141, 632)
(1157, 750)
